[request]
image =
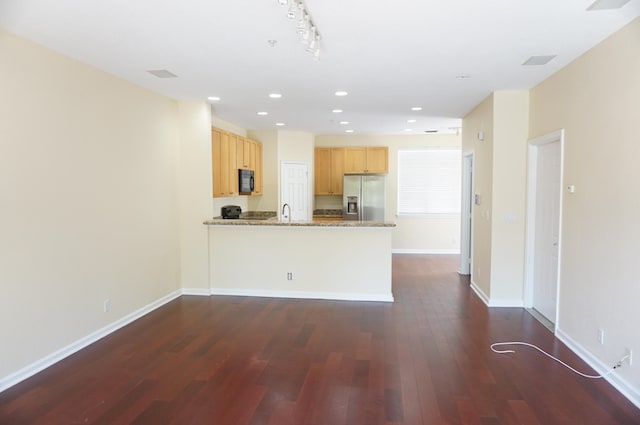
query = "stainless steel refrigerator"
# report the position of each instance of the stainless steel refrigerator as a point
(363, 197)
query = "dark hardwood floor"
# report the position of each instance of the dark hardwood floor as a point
(424, 359)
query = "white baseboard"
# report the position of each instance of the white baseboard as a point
(425, 251)
(340, 296)
(506, 303)
(51, 359)
(626, 389)
(480, 293)
(494, 302)
(196, 291)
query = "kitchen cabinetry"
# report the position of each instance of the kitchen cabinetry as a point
(329, 170)
(245, 146)
(248, 153)
(224, 183)
(233, 171)
(367, 160)
(257, 175)
(227, 156)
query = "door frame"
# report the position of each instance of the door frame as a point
(466, 216)
(529, 266)
(281, 185)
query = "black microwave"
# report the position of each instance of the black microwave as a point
(245, 181)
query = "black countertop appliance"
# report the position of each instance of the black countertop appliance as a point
(231, 211)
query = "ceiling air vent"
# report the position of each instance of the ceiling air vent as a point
(162, 73)
(538, 60)
(607, 4)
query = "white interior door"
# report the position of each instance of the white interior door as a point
(545, 245)
(294, 184)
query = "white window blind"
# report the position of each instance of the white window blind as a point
(429, 181)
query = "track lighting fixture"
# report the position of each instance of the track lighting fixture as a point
(306, 29)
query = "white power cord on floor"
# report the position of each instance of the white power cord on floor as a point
(617, 365)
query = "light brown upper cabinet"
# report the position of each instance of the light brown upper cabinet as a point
(223, 158)
(233, 171)
(229, 152)
(247, 158)
(367, 160)
(329, 170)
(257, 175)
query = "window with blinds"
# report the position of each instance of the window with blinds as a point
(429, 181)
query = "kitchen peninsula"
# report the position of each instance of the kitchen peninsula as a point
(341, 260)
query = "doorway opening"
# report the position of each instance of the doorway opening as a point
(466, 216)
(544, 225)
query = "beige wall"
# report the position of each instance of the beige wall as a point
(195, 189)
(510, 134)
(481, 119)
(412, 234)
(499, 174)
(596, 99)
(89, 206)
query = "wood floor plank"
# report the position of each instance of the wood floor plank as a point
(424, 359)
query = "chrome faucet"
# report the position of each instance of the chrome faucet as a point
(288, 215)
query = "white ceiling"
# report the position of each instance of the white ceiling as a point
(388, 55)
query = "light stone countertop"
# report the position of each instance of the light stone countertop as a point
(275, 222)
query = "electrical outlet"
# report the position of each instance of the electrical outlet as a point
(106, 306)
(628, 353)
(289, 276)
(601, 336)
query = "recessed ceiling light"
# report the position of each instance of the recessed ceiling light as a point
(344, 122)
(262, 113)
(213, 98)
(538, 60)
(341, 93)
(408, 129)
(279, 124)
(275, 95)
(416, 108)
(337, 111)
(348, 131)
(162, 73)
(411, 121)
(607, 4)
